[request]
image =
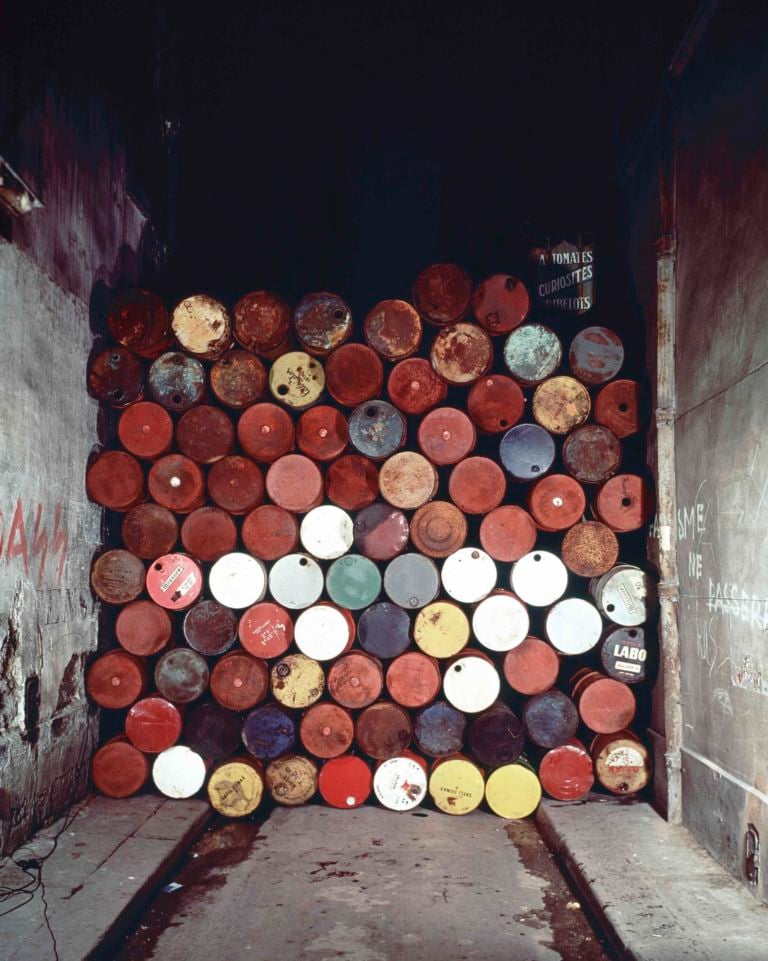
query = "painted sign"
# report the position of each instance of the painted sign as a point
(564, 276)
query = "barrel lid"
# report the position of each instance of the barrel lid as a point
(327, 730)
(596, 355)
(295, 483)
(270, 532)
(353, 581)
(296, 379)
(323, 321)
(266, 432)
(205, 434)
(438, 529)
(500, 622)
(413, 679)
(411, 580)
(178, 772)
(115, 680)
(527, 451)
(624, 595)
(117, 577)
(239, 681)
(238, 580)
(400, 784)
(607, 706)
(353, 374)
(238, 379)
(268, 732)
(442, 293)
(384, 630)
(624, 655)
(592, 453)
(471, 684)
(209, 628)
(496, 737)
(622, 764)
(266, 630)
(291, 780)
(461, 353)
(625, 502)
(145, 430)
(297, 681)
(177, 483)
(618, 407)
(115, 480)
(560, 403)
(235, 788)
(345, 782)
(393, 329)
(507, 533)
(181, 675)
(446, 435)
(414, 387)
(355, 680)
(149, 530)
(566, 772)
(177, 382)
(532, 353)
(352, 482)
(573, 626)
(143, 628)
(539, 578)
(383, 730)
(557, 502)
(321, 632)
(212, 730)
(441, 629)
(201, 326)
(296, 581)
(322, 432)
(407, 480)
(457, 786)
(501, 303)
(439, 729)
(531, 667)
(262, 321)
(376, 429)
(513, 791)
(208, 533)
(589, 549)
(118, 769)
(138, 320)
(477, 485)
(153, 724)
(468, 575)
(116, 377)
(380, 532)
(326, 532)
(550, 718)
(495, 403)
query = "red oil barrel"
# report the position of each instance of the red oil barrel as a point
(208, 533)
(618, 407)
(181, 676)
(383, 730)
(557, 502)
(353, 374)
(566, 772)
(592, 454)
(411, 580)
(589, 549)
(327, 730)
(507, 533)
(500, 622)
(531, 667)
(296, 581)
(145, 430)
(235, 484)
(413, 679)
(527, 452)
(413, 386)
(407, 480)
(239, 681)
(605, 706)
(117, 577)
(116, 679)
(442, 293)
(326, 532)
(461, 353)
(266, 432)
(495, 403)
(177, 382)
(345, 782)
(622, 762)
(471, 682)
(623, 654)
(295, 483)
(177, 483)
(376, 429)
(118, 769)
(322, 433)
(322, 321)
(153, 724)
(384, 630)
(393, 329)
(446, 435)
(209, 628)
(138, 320)
(550, 719)
(174, 581)
(179, 772)
(115, 480)
(438, 529)
(236, 787)
(532, 353)
(477, 485)
(625, 503)
(439, 729)
(116, 377)
(573, 626)
(201, 326)
(266, 630)
(143, 628)
(205, 434)
(238, 580)
(560, 403)
(270, 532)
(149, 530)
(468, 575)
(496, 736)
(501, 303)
(297, 681)
(238, 379)
(539, 578)
(355, 680)
(352, 482)
(596, 355)
(262, 322)
(400, 784)
(211, 730)
(322, 632)
(380, 532)
(268, 732)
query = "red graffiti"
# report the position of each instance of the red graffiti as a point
(42, 545)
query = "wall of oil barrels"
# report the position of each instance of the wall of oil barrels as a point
(394, 558)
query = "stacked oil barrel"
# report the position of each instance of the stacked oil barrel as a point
(368, 561)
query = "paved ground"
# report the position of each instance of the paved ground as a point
(367, 885)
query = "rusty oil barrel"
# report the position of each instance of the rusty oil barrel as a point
(295, 483)
(176, 381)
(201, 326)
(149, 530)
(145, 430)
(442, 293)
(501, 303)
(116, 679)
(596, 355)
(531, 667)
(532, 353)
(383, 730)
(353, 374)
(556, 502)
(622, 762)
(238, 681)
(495, 403)
(605, 705)
(143, 628)
(176, 482)
(207, 534)
(117, 577)
(262, 322)
(322, 433)
(209, 628)
(446, 435)
(205, 434)
(355, 680)
(270, 532)
(322, 321)
(238, 379)
(326, 730)
(560, 404)
(266, 432)
(507, 533)
(407, 480)
(352, 482)
(116, 377)
(438, 529)
(376, 429)
(477, 485)
(625, 503)
(115, 480)
(181, 676)
(393, 329)
(414, 387)
(235, 484)
(138, 320)
(589, 549)
(592, 454)
(118, 769)
(413, 679)
(618, 407)
(461, 353)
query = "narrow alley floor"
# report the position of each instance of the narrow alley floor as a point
(366, 885)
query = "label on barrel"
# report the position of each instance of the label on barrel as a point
(235, 789)
(292, 780)
(624, 655)
(400, 784)
(457, 786)
(565, 276)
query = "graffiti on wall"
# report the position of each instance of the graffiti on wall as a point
(34, 539)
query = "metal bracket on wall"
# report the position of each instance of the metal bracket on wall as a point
(752, 854)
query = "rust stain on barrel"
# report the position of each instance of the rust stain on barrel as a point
(461, 353)
(323, 321)
(262, 321)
